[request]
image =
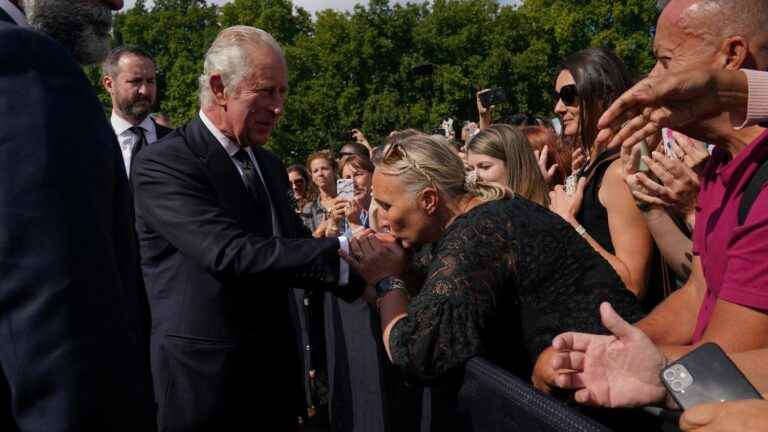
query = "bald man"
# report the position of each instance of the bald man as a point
(726, 298)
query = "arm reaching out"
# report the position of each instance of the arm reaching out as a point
(617, 370)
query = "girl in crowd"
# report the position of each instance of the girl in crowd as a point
(501, 154)
(601, 208)
(324, 214)
(495, 277)
(302, 188)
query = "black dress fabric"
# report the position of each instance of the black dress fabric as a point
(502, 282)
(593, 216)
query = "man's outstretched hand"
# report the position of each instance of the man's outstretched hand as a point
(678, 101)
(617, 370)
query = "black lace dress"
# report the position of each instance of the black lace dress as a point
(502, 282)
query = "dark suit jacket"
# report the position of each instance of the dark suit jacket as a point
(74, 322)
(161, 130)
(218, 284)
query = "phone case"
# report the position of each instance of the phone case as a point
(706, 374)
(345, 189)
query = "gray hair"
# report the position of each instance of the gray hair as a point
(228, 58)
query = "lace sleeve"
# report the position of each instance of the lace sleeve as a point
(446, 318)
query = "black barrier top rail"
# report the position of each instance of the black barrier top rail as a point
(496, 401)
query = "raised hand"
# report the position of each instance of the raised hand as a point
(678, 101)
(677, 186)
(618, 370)
(360, 138)
(567, 206)
(578, 160)
(692, 152)
(541, 158)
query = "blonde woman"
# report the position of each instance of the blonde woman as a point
(501, 277)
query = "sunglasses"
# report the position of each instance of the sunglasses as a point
(567, 94)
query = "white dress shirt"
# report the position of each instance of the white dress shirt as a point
(128, 140)
(16, 15)
(231, 148)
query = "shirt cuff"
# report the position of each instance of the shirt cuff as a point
(344, 267)
(757, 105)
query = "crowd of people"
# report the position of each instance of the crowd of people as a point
(167, 279)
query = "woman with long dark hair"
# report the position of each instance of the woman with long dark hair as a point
(600, 206)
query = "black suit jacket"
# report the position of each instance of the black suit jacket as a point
(218, 284)
(161, 130)
(74, 322)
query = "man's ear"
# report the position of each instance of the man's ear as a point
(217, 89)
(428, 200)
(107, 83)
(734, 53)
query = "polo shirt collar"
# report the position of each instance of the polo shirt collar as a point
(727, 169)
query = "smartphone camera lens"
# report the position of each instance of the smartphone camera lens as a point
(677, 385)
(669, 375)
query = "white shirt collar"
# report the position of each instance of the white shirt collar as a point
(16, 15)
(121, 125)
(229, 146)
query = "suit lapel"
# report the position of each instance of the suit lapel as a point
(4, 17)
(225, 178)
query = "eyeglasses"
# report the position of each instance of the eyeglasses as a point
(567, 94)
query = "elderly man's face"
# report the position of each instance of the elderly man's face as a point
(82, 26)
(255, 106)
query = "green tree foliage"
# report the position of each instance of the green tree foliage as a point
(356, 69)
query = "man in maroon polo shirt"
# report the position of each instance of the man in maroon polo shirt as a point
(726, 298)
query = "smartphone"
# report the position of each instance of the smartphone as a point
(492, 96)
(669, 142)
(642, 166)
(345, 189)
(346, 136)
(706, 374)
(439, 131)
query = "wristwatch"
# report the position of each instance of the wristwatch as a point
(389, 284)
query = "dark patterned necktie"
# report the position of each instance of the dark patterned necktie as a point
(252, 180)
(141, 143)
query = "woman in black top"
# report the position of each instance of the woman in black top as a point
(601, 208)
(500, 277)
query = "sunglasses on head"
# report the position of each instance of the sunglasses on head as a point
(567, 94)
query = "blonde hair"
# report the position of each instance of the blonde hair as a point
(510, 145)
(228, 58)
(421, 161)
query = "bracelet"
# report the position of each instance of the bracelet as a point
(580, 230)
(390, 284)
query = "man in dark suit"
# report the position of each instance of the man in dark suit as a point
(74, 321)
(129, 76)
(220, 250)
